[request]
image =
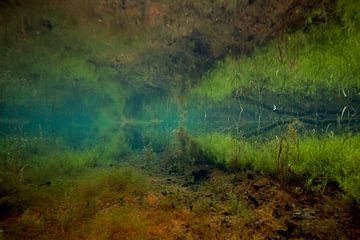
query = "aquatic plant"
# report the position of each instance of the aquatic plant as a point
(238, 154)
(298, 63)
(148, 154)
(57, 209)
(86, 84)
(238, 206)
(317, 159)
(284, 161)
(41, 159)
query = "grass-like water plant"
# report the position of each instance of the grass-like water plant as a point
(301, 63)
(317, 159)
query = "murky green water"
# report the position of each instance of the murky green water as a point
(262, 86)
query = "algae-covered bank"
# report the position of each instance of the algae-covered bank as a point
(179, 119)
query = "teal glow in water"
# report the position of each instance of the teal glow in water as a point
(76, 119)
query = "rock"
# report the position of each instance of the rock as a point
(288, 207)
(165, 192)
(236, 180)
(304, 214)
(254, 201)
(186, 225)
(44, 26)
(122, 201)
(261, 183)
(282, 231)
(224, 198)
(276, 214)
(250, 176)
(287, 230)
(226, 213)
(175, 170)
(200, 175)
(47, 184)
(226, 223)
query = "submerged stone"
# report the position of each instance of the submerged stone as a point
(303, 214)
(254, 201)
(200, 175)
(261, 183)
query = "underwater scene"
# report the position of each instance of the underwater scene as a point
(179, 119)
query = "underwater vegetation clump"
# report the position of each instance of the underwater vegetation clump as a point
(36, 159)
(300, 63)
(319, 160)
(53, 209)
